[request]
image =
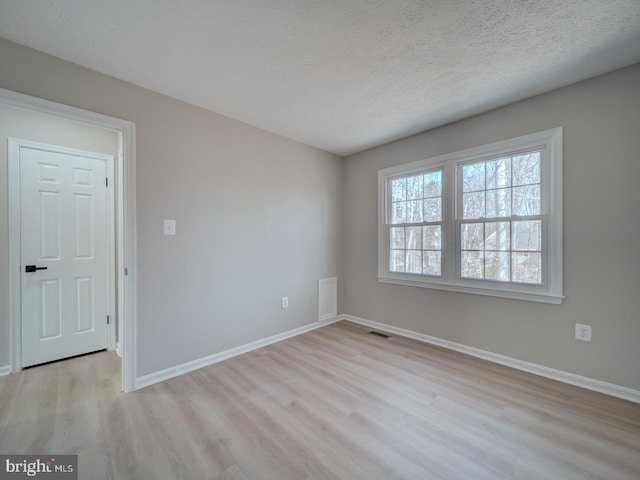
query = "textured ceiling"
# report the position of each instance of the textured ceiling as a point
(341, 75)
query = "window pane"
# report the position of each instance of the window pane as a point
(473, 177)
(472, 265)
(431, 263)
(499, 173)
(396, 261)
(526, 169)
(414, 237)
(488, 228)
(526, 200)
(432, 237)
(527, 267)
(414, 211)
(471, 236)
(398, 189)
(397, 237)
(433, 184)
(433, 210)
(415, 187)
(496, 266)
(473, 205)
(414, 261)
(497, 236)
(527, 235)
(399, 212)
(499, 203)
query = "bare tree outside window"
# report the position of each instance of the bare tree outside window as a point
(486, 220)
(501, 224)
(415, 233)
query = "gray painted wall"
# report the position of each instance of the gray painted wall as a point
(601, 120)
(258, 216)
(43, 128)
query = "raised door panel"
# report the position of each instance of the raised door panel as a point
(49, 232)
(50, 309)
(83, 225)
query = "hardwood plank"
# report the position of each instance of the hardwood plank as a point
(335, 403)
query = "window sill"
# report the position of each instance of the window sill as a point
(542, 297)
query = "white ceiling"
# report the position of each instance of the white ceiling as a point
(341, 75)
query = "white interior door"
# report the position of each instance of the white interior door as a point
(64, 253)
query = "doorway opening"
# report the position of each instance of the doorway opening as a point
(123, 331)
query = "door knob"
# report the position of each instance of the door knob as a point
(33, 268)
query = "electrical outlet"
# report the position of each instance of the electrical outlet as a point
(583, 332)
(284, 302)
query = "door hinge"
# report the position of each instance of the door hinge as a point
(106, 181)
(107, 319)
(126, 271)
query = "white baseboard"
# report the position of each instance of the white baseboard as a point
(5, 370)
(119, 349)
(167, 373)
(559, 375)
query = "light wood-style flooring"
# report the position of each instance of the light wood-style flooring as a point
(335, 403)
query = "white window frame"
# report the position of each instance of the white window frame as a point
(549, 143)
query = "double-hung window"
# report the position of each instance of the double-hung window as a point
(487, 220)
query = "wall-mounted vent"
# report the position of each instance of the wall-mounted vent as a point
(379, 334)
(327, 299)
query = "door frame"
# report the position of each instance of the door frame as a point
(15, 206)
(125, 229)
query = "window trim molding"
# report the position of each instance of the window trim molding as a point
(551, 142)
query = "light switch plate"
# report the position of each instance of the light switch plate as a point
(169, 227)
